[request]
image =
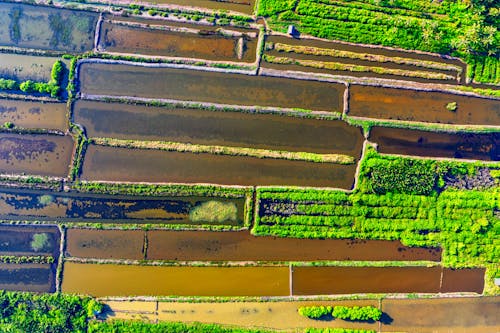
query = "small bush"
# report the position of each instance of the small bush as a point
(315, 312)
(452, 106)
(356, 313)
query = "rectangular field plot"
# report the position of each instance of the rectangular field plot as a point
(126, 280)
(213, 87)
(463, 280)
(349, 280)
(26, 67)
(425, 106)
(37, 154)
(311, 55)
(40, 27)
(242, 6)
(237, 129)
(242, 246)
(173, 40)
(33, 114)
(72, 207)
(21, 240)
(422, 143)
(136, 165)
(27, 277)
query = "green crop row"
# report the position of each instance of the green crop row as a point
(484, 69)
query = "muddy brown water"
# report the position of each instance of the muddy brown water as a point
(238, 129)
(117, 37)
(242, 6)
(349, 280)
(214, 87)
(32, 114)
(423, 143)
(75, 207)
(27, 277)
(18, 240)
(41, 27)
(126, 280)
(38, 154)
(357, 49)
(425, 106)
(105, 244)
(462, 314)
(242, 246)
(136, 165)
(23, 67)
(460, 280)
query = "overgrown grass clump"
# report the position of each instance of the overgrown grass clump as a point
(357, 313)
(214, 211)
(315, 312)
(130, 326)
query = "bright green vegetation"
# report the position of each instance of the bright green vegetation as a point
(405, 199)
(214, 212)
(357, 313)
(336, 330)
(5, 259)
(461, 28)
(40, 241)
(315, 312)
(452, 106)
(52, 88)
(123, 326)
(54, 313)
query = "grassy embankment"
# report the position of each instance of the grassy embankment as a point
(420, 202)
(467, 29)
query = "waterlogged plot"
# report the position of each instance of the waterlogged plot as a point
(238, 129)
(242, 246)
(29, 240)
(173, 40)
(125, 280)
(33, 114)
(213, 87)
(242, 6)
(38, 154)
(424, 106)
(26, 67)
(460, 280)
(344, 59)
(27, 277)
(422, 143)
(40, 27)
(72, 207)
(138, 165)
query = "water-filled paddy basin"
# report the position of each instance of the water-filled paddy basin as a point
(204, 86)
(189, 41)
(21, 240)
(461, 314)
(460, 280)
(136, 165)
(423, 143)
(321, 48)
(349, 280)
(105, 244)
(238, 129)
(73, 207)
(425, 106)
(40, 27)
(126, 280)
(38, 154)
(242, 246)
(33, 114)
(27, 277)
(26, 67)
(242, 6)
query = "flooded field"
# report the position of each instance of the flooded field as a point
(26, 67)
(458, 280)
(136, 165)
(242, 246)
(33, 114)
(37, 154)
(422, 143)
(105, 244)
(194, 85)
(402, 104)
(471, 315)
(40, 27)
(394, 63)
(242, 6)
(238, 129)
(349, 280)
(73, 207)
(21, 240)
(122, 280)
(188, 41)
(27, 277)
